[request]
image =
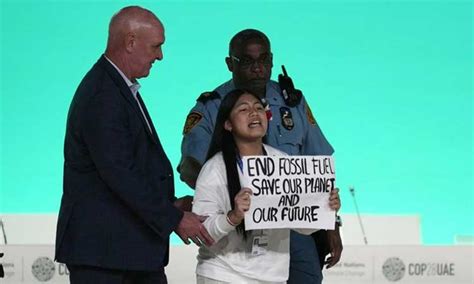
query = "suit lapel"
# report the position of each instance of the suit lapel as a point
(128, 96)
(147, 115)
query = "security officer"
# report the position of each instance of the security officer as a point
(292, 129)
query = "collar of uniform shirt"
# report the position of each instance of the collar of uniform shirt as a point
(134, 87)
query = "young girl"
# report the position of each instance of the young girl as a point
(238, 256)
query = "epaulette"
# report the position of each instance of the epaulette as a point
(207, 96)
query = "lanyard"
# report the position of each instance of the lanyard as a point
(240, 163)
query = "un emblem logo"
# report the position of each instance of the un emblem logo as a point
(393, 269)
(43, 269)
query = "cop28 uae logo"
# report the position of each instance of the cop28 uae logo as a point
(393, 269)
(43, 269)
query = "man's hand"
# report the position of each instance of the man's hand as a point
(191, 227)
(335, 247)
(184, 203)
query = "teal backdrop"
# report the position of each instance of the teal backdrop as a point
(389, 82)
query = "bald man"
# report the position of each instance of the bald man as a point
(118, 207)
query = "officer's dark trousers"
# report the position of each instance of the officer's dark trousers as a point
(82, 274)
(304, 260)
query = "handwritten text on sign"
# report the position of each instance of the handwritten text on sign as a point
(289, 191)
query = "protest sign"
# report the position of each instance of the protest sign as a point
(289, 191)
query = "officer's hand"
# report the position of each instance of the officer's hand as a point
(335, 247)
(334, 200)
(191, 227)
(184, 203)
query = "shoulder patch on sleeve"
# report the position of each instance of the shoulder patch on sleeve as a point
(309, 114)
(207, 96)
(191, 120)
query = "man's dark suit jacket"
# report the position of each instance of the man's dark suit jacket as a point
(117, 205)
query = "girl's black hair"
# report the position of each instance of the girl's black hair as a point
(223, 140)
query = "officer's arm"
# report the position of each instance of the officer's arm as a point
(189, 171)
(197, 134)
(315, 143)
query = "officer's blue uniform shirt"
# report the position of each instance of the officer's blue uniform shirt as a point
(290, 130)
